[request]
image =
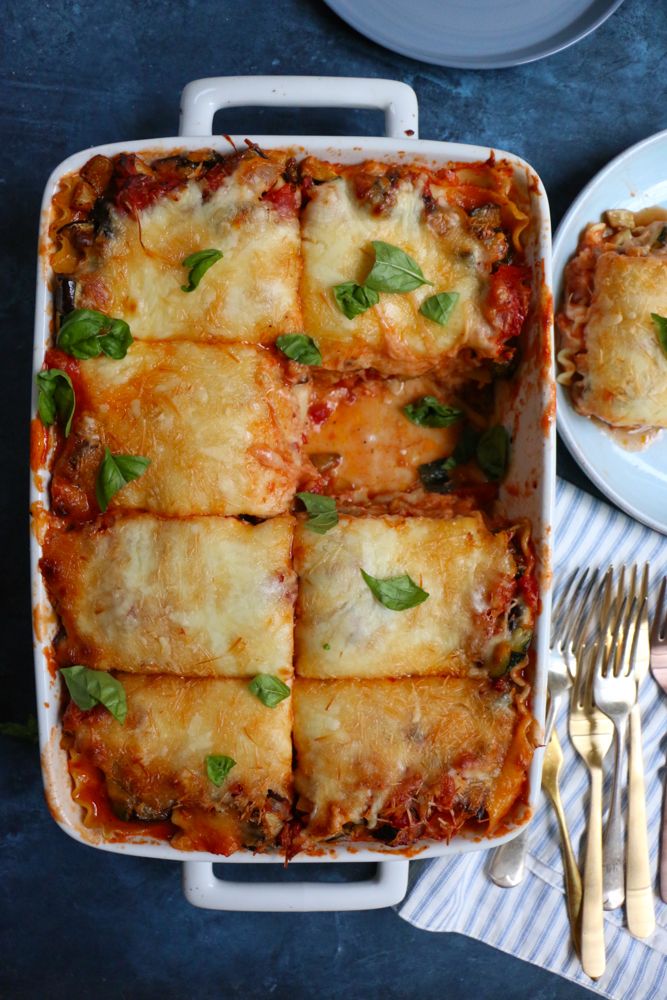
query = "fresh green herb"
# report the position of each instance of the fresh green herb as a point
(439, 307)
(25, 731)
(326, 645)
(661, 238)
(322, 513)
(299, 347)
(435, 476)
(86, 333)
(428, 412)
(269, 689)
(218, 767)
(493, 449)
(198, 264)
(56, 399)
(354, 299)
(394, 270)
(116, 471)
(660, 324)
(398, 593)
(96, 687)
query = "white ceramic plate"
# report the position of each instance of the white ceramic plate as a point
(475, 34)
(636, 481)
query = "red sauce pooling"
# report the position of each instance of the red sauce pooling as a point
(91, 793)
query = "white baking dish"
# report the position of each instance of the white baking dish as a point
(528, 491)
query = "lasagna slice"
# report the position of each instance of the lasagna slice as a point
(613, 356)
(406, 759)
(220, 425)
(133, 224)
(155, 767)
(202, 596)
(462, 229)
(474, 615)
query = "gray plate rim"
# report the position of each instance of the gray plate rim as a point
(348, 11)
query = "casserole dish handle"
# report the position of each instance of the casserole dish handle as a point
(202, 98)
(203, 888)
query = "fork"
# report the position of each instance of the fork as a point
(639, 906)
(509, 860)
(615, 692)
(659, 672)
(591, 734)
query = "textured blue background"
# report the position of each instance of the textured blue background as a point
(75, 922)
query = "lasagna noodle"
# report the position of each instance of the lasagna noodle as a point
(155, 763)
(622, 366)
(219, 424)
(420, 756)
(342, 630)
(206, 596)
(393, 336)
(251, 294)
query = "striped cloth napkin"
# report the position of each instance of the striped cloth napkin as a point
(530, 921)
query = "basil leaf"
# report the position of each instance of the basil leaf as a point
(660, 324)
(116, 341)
(199, 263)
(439, 307)
(218, 767)
(269, 689)
(322, 513)
(394, 270)
(299, 347)
(56, 398)
(434, 476)
(398, 593)
(96, 687)
(493, 449)
(116, 471)
(25, 731)
(354, 299)
(661, 238)
(85, 333)
(428, 412)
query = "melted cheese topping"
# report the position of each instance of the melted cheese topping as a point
(219, 424)
(624, 367)
(393, 336)
(155, 761)
(343, 631)
(250, 295)
(372, 444)
(199, 597)
(360, 745)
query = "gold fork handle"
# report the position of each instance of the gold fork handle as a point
(573, 889)
(593, 959)
(639, 893)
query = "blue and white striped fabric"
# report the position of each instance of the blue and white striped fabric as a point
(530, 921)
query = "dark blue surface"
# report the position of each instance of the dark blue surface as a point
(78, 922)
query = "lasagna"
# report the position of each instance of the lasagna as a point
(291, 610)
(220, 426)
(150, 595)
(157, 767)
(468, 572)
(135, 223)
(613, 351)
(400, 760)
(459, 226)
